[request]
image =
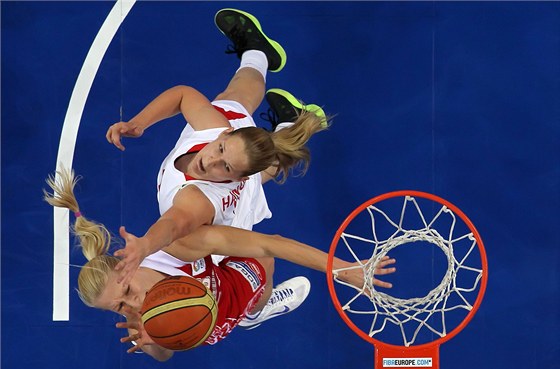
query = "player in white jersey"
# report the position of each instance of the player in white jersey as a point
(206, 178)
(238, 283)
(225, 196)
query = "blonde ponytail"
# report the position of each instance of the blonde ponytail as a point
(93, 237)
(284, 149)
(290, 144)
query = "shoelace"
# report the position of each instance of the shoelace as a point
(280, 296)
(239, 42)
(271, 117)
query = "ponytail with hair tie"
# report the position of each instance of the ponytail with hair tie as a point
(94, 237)
(284, 149)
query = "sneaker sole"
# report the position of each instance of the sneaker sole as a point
(250, 327)
(301, 280)
(316, 109)
(275, 45)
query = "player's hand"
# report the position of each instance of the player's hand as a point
(137, 335)
(354, 275)
(123, 129)
(131, 256)
(382, 269)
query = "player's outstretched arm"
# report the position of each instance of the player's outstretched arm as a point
(223, 240)
(191, 209)
(194, 106)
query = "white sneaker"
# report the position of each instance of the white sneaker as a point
(285, 298)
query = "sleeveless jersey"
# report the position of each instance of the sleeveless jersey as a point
(239, 204)
(236, 283)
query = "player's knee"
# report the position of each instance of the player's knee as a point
(268, 265)
(237, 97)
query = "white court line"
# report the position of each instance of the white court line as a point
(61, 269)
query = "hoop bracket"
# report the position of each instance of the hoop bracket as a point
(388, 356)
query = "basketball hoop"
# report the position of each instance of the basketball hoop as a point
(398, 219)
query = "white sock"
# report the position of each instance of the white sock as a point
(283, 125)
(255, 59)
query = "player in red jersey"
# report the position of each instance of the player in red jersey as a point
(241, 284)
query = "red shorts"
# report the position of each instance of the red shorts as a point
(239, 285)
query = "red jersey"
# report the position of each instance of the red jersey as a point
(237, 284)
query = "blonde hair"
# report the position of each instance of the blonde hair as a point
(284, 149)
(94, 238)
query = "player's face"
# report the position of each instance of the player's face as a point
(224, 159)
(117, 297)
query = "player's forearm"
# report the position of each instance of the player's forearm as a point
(165, 231)
(301, 254)
(242, 243)
(224, 240)
(164, 106)
(157, 352)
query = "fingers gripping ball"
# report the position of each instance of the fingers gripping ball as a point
(179, 313)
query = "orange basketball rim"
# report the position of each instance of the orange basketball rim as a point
(409, 355)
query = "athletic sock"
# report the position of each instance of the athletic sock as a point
(283, 125)
(255, 59)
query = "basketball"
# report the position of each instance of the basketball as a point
(179, 313)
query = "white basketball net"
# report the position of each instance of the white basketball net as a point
(418, 310)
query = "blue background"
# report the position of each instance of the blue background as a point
(458, 99)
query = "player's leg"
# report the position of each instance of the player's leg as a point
(246, 87)
(257, 52)
(283, 299)
(268, 265)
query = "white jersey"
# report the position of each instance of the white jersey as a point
(238, 204)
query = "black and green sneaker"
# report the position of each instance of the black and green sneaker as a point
(245, 31)
(284, 107)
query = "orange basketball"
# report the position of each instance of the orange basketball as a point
(179, 313)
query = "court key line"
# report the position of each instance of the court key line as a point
(61, 261)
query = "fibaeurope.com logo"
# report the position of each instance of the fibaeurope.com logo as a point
(408, 362)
